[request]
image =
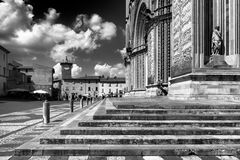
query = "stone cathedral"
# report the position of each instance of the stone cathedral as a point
(172, 43)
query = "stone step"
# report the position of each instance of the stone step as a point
(150, 131)
(140, 139)
(178, 123)
(30, 149)
(179, 106)
(172, 111)
(166, 117)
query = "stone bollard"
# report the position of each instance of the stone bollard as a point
(80, 103)
(87, 101)
(46, 112)
(71, 105)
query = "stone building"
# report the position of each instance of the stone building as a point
(38, 78)
(86, 85)
(169, 42)
(3, 70)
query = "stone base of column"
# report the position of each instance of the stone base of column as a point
(211, 84)
(217, 61)
(155, 90)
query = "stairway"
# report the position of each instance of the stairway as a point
(153, 130)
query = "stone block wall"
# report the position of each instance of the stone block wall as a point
(182, 44)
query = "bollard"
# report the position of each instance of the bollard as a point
(46, 112)
(80, 103)
(87, 101)
(71, 105)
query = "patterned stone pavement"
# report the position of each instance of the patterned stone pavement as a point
(17, 128)
(117, 158)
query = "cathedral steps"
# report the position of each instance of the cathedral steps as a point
(127, 150)
(145, 131)
(190, 130)
(173, 111)
(141, 139)
(172, 123)
(166, 117)
(179, 106)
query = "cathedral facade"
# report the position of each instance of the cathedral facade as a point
(169, 39)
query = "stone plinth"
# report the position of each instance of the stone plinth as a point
(213, 84)
(218, 61)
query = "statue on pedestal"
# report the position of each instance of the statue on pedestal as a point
(217, 41)
(217, 59)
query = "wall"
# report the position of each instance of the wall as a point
(182, 33)
(3, 72)
(115, 88)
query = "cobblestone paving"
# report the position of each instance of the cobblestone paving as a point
(19, 127)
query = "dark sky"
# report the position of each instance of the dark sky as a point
(28, 43)
(109, 10)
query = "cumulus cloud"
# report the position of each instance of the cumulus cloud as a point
(117, 70)
(76, 71)
(55, 40)
(57, 71)
(123, 52)
(52, 15)
(102, 70)
(14, 15)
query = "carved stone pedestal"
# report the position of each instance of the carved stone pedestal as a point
(208, 83)
(217, 61)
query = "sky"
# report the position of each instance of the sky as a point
(91, 33)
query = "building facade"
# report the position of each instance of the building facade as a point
(3, 70)
(168, 39)
(87, 85)
(36, 77)
(148, 43)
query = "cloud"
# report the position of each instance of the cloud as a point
(34, 58)
(76, 71)
(57, 71)
(57, 41)
(117, 70)
(52, 15)
(102, 70)
(123, 52)
(14, 15)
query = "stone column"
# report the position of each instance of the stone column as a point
(237, 25)
(198, 33)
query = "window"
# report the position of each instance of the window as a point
(109, 84)
(4, 71)
(109, 90)
(73, 88)
(28, 79)
(96, 88)
(89, 88)
(102, 90)
(117, 91)
(102, 84)
(117, 85)
(81, 88)
(66, 88)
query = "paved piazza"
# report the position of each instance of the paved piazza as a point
(19, 127)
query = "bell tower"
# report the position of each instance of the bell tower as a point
(66, 69)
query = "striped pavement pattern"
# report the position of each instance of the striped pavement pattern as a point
(119, 158)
